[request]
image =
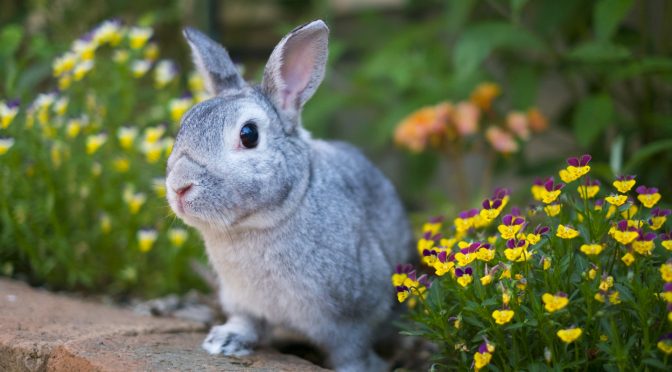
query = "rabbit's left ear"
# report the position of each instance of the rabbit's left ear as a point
(296, 68)
(213, 63)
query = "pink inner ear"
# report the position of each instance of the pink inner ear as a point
(298, 65)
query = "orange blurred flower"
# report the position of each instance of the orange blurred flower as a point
(426, 126)
(484, 94)
(501, 140)
(538, 122)
(517, 122)
(466, 117)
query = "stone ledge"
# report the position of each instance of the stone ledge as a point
(41, 331)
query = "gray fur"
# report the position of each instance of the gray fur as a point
(303, 233)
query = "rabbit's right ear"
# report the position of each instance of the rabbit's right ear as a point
(213, 63)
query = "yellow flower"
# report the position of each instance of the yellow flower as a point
(121, 56)
(465, 280)
(553, 303)
(486, 279)
(552, 210)
(64, 64)
(94, 142)
(177, 237)
(139, 68)
(7, 113)
(484, 94)
(167, 145)
(195, 82)
(569, 335)
(606, 283)
(512, 254)
(164, 73)
(84, 49)
(657, 222)
(665, 346)
(614, 297)
(502, 316)
(549, 197)
(587, 192)
(464, 259)
(126, 136)
(506, 296)
(667, 244)
(153, 134)
(5, 145)
(64, 82)
(61, 106)
(643, 247)
(546, 263)
(152, 151)
(159, 186)
(538, 191)
(624, 184)
(108, 32)
(592, 273)
(591, 249)
(481, 360)
(73, 128)
(121, 164)
(666, 272)
(134, 201)
(138, 36)
(146, 239)
(443, 267)
(105, 223)
(485, 254)
(616, 200)
(82, 69)
(649, 200)
(623, 237)
(628, 259)
(566, 232)
(151, 52)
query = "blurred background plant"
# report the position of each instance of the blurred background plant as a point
(598, 71)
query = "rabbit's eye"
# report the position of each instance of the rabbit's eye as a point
(249, 136)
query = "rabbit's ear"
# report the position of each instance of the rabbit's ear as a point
(213, 63)
(296, 68)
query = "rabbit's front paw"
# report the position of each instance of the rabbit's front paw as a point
(228, 340)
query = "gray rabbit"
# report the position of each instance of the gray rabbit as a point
(302, 233)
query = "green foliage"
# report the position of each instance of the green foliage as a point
(82, 203)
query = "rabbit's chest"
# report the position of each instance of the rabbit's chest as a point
(258, 286)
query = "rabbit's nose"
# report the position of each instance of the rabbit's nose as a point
(184, 189)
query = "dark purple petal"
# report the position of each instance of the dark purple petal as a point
(561, 294)
(436, 219)
(426, 252)
(427, 235)
(521, 243)
(665, 236)
(599, 202)
(573, 161)
(496, 204)
(641, 189)
(548, 185)
(451, 257)
(506, 220)
(459, 272)
(486, 204)
(483, 348)
(518, 221)
(485, 245)
(511, 243)
(622, 225)
(559, 186)
(13, 103)
(515, 211)
(667, 287)
(468, 270)
(442, 256)
(423, 280)
(538, 182)
(649, 236)
(585, 159)
(412, 275)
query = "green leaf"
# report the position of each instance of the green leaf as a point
(655, 363)
(523, 84)
(480, 39)
(608, 14)
(10, 39)
(645, 66)
(591, 117)
(598, 52)
(646, 152)
(517, 7)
